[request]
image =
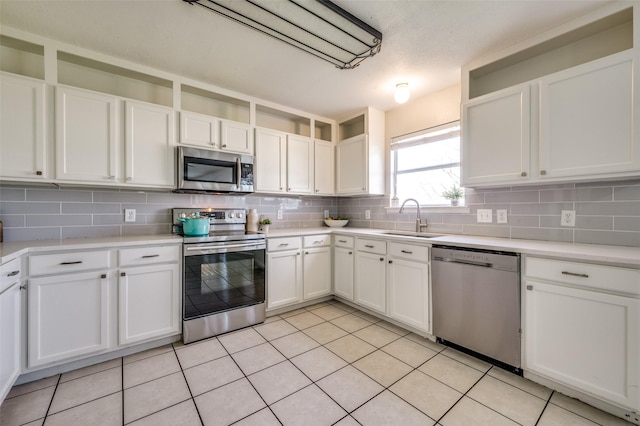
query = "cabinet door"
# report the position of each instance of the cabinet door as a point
(495, 137)
(68, 317)
(271, 158)
(324, 167)
(149, 303)
(351, 165)
(585, 339)
(409, 293)
(11, 338)
(236, 137)
(586, 120)
(87, 136)
(22, 128)
(370, 281)
(316, 279)
(299, 165)
(149, 142)
(199, 130)
(343, 272)
(284, 279)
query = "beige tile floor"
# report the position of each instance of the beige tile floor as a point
(322, 365)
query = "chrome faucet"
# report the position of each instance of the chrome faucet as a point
(419, 223)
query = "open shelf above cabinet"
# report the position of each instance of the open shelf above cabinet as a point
(352, 127)
(85, 73)
(322, 131)
(205, 102)
(21, 57)
(282, 121)
(600, 38)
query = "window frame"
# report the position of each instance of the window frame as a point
(422, 137)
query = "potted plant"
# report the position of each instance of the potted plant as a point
(454, 194)
(264, 224)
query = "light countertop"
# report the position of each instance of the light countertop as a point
(627, 256)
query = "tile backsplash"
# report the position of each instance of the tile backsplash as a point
(606, 212)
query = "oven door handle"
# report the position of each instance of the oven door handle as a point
(225, 248)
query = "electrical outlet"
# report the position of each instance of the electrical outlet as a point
(129, 215)
(367, 214)
(568, 218)
(326, 214)
(280, 214)
(502, 215)
(485, 216)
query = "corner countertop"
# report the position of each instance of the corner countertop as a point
(12, 250)
(619, 255)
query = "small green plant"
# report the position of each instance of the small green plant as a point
(266, 221)
(455, 193)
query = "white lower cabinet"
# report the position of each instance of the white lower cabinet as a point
(408, 286)
(68, 316)
(370, 287)
(284, 278)
(343, 266)
(10, 326)
(316, 263)
(149, 303)
(581, 330)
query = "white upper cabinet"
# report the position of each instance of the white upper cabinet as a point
(149, 145)
(299, 164)
(323, 168)
(199, 130)
(87, 137)
(496, 137)
(360, 154)
(271, 157)
(586, 120)
(23, 148)
(236, 137)
(560, 107)
(284, 162)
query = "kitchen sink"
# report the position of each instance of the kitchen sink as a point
(412, 234)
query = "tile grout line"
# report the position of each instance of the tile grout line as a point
(53, 395)
(544, 409)
(187, 383)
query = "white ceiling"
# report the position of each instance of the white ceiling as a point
(425, 43)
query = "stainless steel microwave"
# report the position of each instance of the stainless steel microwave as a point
(204, 170)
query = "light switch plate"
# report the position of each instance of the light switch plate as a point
(485, 215)
(501, 216)
(280, 214)
(367, 214)
(568, 218)
(129, 215)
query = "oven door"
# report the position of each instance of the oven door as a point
(219, 277)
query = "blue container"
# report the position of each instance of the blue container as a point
(195, 226)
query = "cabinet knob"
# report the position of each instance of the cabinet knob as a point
(288, 189)
(363, 189)
(224, 145)
(350, 252)
(543, 172)
(123, 274)
(280, 188)
(382, 259)
(391, 261)
(306, 252)
(529, 287)
(523, 174)
(23, 287)
(39, 173)
(317, 190)
(103, 276)
(298, 254)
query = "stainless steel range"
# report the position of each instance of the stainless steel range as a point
(224, 274)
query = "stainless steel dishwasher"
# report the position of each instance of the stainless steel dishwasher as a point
(476, 302)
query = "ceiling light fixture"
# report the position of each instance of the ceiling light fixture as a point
(318, 27)
(402, 93)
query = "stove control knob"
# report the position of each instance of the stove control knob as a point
(239, 215)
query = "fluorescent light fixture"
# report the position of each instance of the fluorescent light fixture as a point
(318, 27)
(402, 93)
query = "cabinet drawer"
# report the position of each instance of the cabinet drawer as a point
(343, 241)
(317, 240)
(9, 273)
(409, 251)
(148, 255)
(279, 244)
(371, 246)
(68, 262)
(584, 274)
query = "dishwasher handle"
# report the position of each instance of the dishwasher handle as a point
(463, 262)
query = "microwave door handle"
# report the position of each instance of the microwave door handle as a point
(238, 172)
